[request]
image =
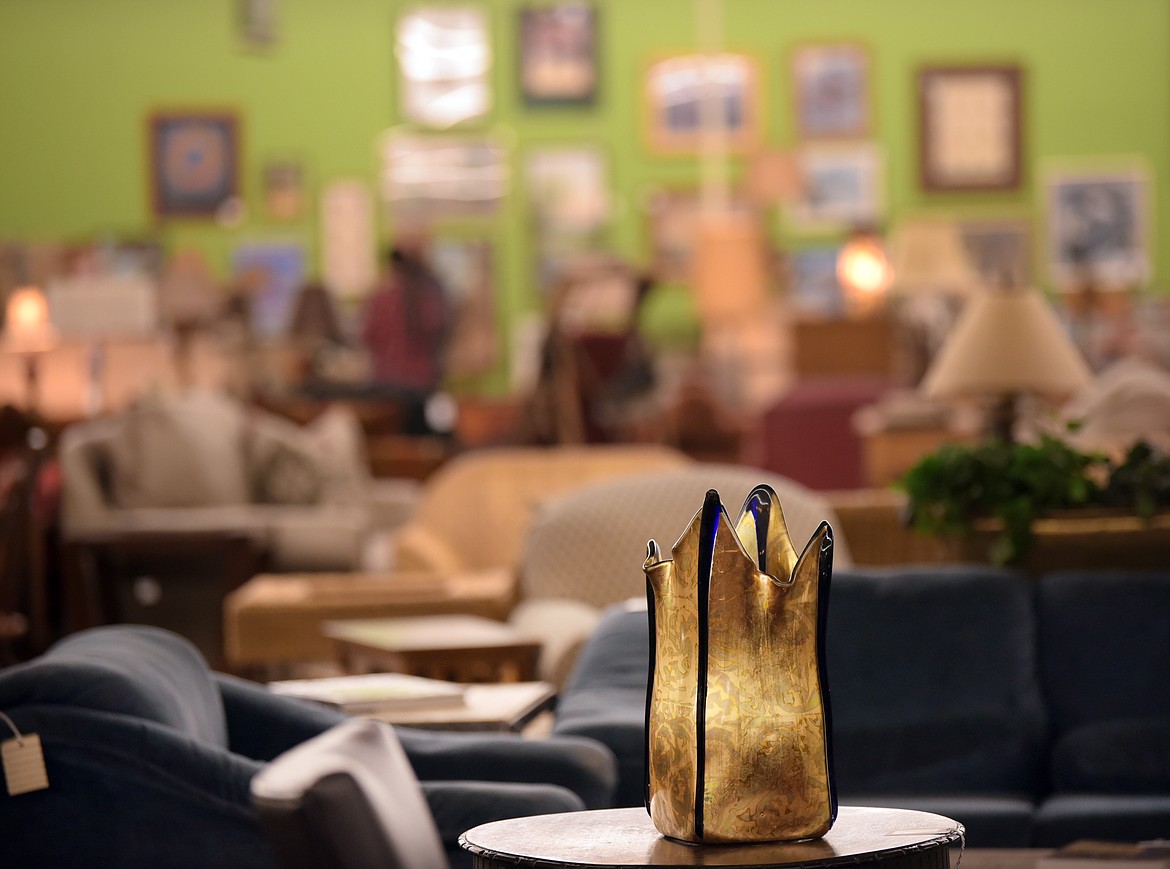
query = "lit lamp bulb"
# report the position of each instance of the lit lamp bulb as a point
(27, 328)
(864, 271)
(28, 331)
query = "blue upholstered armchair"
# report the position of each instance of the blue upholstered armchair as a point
(150, 755)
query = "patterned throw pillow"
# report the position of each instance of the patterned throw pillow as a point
(320, 463)
(283, 466)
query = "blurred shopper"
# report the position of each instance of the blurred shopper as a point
(405, 327)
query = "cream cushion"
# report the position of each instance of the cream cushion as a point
(180, 451)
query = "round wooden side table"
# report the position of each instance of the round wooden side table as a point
(890, 838)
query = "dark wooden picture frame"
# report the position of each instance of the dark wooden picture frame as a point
(970, 127)
(194, 162)
(558, 54)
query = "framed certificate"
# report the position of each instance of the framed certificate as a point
(970, 127)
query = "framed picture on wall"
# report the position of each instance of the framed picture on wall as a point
(842, 186)
(194, 162)
(676, 88)
(444, 60)
(284, 189)
(999, 249)
(813, 287)
(271, 274)
(431, 177)
(1098, 227)
(558, 54)
(831, 91)
(969, 127)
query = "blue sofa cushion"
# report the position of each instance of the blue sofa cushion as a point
(1104, 645)
(933, 682)
(1121, 818)
(605, 698)
(133, 670)
(1127, 756)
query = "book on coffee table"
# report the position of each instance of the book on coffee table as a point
(374, 692)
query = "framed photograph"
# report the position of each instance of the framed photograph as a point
(841, 186)
(284, 189)
(558, 54)
(272, 274)
(831, 91)
(1000, 250)
(969, 127)
(444, 58)
(431, 177)
(194, 162)
(1098, 228)
(813, 287)
(675, 91)
(256, 22)
(568, 189)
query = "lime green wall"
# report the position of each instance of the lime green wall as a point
(78, 77)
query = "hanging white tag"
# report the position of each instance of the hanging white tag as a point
(24, 764)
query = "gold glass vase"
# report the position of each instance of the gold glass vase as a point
(737, 711)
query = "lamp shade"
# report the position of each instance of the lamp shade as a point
(929, 258)
(27, 327)
(1007, 342)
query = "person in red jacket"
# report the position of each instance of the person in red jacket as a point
(405, 328)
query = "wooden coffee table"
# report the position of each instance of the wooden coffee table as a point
(274, 620)
(458, 648)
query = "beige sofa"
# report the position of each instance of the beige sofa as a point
(203, 463)
(474, 512)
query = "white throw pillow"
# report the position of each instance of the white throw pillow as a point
(183, 450)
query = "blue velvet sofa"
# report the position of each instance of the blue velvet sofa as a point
(1034, 712)
(150, 756)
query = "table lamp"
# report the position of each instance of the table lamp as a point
(933, 273)
(930, 259)
(29, 332)
(1006, 343)
(864, 272)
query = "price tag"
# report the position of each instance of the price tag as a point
(24, 764)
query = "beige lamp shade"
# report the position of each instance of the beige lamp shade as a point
(930, 258)
(730, 269)
(1007, 342)
(27, 327)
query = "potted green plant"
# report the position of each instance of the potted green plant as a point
(1006, 487)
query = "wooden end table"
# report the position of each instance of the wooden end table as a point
(890, 838)
(457, 648)
(275, 619)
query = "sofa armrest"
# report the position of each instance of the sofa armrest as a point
(417, 548)
(562, 626)
(81, 455)
(391, 502)
(583, 766)
(262, 725)
(459, 806)
(112, 777)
